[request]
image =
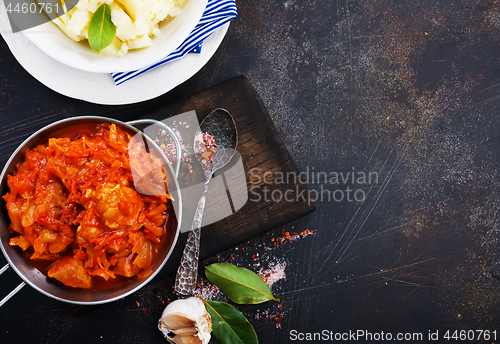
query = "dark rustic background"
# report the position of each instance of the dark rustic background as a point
(407, 89)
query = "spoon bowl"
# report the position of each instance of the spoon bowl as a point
(218, 126)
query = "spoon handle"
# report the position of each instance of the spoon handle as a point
(187, 273)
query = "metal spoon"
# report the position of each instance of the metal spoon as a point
(220, 125)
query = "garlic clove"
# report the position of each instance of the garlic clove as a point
(186, 321)
(175, 321)
(186, 331)
(187, 340)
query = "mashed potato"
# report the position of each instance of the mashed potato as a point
(136, 21)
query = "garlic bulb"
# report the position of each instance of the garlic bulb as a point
(186, 321)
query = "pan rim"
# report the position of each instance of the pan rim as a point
(178, 200)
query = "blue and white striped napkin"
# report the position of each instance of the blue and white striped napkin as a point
(217, 13)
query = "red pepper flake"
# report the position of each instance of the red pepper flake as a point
(146, 309)
(276, 320)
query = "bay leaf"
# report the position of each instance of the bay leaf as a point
(240, 285)
(229, 325)
(101, 29)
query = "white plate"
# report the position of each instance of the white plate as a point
(100, 88)
(51, 40)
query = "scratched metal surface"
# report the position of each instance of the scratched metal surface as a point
(406, 89)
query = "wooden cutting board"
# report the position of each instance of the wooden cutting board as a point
(265, 161)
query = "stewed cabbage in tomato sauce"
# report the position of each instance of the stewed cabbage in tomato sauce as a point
(93, 207)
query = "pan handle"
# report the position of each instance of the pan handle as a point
(171, 133)
(14, 291)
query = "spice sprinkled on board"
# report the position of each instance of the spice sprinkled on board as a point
(263, 255)
(289, 237)
(275, 273)
(209, 291)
